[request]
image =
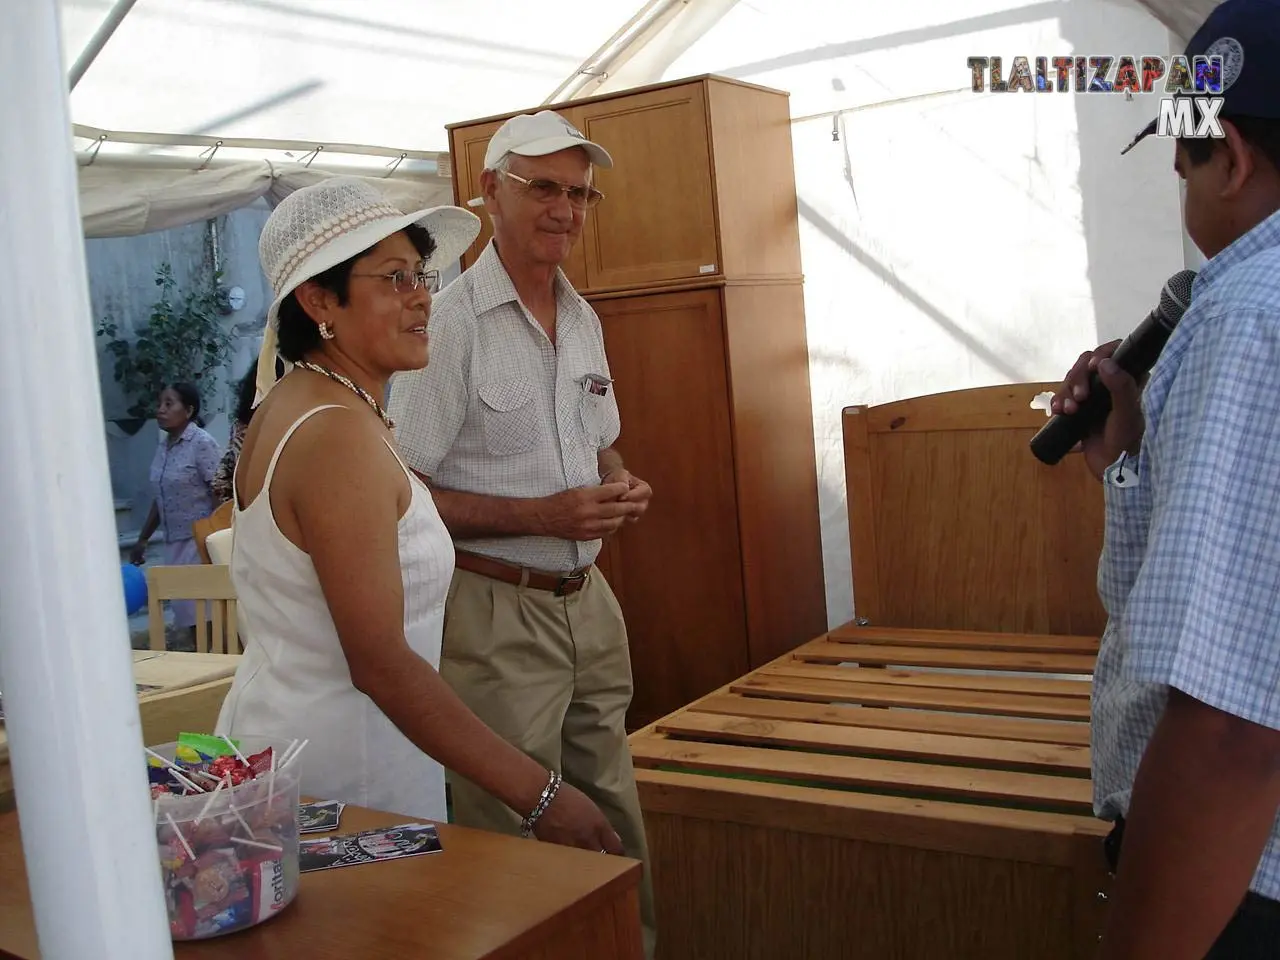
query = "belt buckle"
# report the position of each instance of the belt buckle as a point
(562, 582)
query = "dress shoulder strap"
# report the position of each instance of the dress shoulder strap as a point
(275, 456)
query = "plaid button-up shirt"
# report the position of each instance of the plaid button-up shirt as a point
(501, 410)
(1190, 568)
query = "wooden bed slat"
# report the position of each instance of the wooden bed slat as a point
(1010, 787)
(925, 698)
(1026, 686)
(901, 744)
(960, 659)
(995, 728)
(963, 639)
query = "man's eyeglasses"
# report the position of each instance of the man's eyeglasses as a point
(402, 280)
(548, 191)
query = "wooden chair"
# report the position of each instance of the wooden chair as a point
(955, 525)
(220, 519)
(206, 584)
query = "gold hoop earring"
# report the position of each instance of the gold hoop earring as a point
(325, 332)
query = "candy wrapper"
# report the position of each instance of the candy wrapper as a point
(226, 832)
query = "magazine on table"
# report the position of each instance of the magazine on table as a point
(368, 846)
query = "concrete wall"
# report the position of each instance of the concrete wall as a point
(953, 239)
(122, 281)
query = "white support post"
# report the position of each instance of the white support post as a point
(67, 673)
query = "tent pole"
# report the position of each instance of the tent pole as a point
(253, 143)
(641, 21)
(99, 39)
(71, 711)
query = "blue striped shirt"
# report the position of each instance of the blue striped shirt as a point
(1190, 567)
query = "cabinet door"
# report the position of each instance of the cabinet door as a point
(678, 571)
(468, 145)
(657, 220)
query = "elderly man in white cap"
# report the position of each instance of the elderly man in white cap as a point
(512, 425)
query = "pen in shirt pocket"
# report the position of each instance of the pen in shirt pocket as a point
(596, 385)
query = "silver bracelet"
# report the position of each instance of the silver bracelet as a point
(544, 801)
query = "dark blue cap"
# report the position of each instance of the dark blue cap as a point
(1246, 34)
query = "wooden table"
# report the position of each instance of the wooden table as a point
(484, 895)
(931, 801)
(176, 691)
(168, 670)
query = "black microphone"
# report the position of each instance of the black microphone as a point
(1135, 356)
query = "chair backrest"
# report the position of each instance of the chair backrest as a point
(209, 585)
(220, 519)
(955, 525)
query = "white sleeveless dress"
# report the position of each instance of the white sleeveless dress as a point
(294, 683)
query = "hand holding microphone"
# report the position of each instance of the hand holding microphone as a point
(1122, 430)
(1098, 405)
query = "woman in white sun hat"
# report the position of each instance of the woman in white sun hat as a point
(340, 561)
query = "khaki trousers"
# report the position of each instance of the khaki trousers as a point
(552, 676)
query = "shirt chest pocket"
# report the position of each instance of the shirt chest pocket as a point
(509, 416)
(599, 418)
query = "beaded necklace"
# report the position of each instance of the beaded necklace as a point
(351, 385)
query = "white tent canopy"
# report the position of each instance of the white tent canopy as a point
(297, 89)
(371, 84)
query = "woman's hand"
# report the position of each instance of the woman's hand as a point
(138, 555)
(573, 820)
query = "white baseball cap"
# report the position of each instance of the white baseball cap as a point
(538, 134)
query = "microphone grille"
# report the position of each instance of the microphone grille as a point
(1176, 296)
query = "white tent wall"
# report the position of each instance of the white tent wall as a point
(953, 239)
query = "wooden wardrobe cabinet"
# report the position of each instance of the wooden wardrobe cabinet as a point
(702, 186)
(692, 263)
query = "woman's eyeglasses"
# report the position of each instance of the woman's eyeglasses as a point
(402, 280)
(547, 191)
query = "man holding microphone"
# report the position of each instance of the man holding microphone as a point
(1186, 701)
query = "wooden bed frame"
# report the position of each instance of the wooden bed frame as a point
(914, 785)
(908, 807)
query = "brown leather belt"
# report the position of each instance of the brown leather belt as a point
(562, 585)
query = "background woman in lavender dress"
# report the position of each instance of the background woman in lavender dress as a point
(182, 477)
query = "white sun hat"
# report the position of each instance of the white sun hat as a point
(321, 225)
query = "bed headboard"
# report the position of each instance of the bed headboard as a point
(955, 525)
